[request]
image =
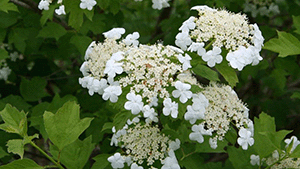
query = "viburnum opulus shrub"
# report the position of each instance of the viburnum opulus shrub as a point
(146, 105)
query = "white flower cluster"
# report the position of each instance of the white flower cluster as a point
(280, 160)
(147, 69)
(159, 4)
(44, 5)
(144, 143)
(221, 31)
(84, 4)
(262, 7)
(219, 106)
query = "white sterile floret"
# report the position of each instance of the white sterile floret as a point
(60, 10)
(183, 91)
(213, 56)
(135, 166)
(213, 142)
(134, 120)
(183, 40)
(14, 56)
(193, 115)
(188, 25)
(170, 108)
(198, 132)
(154, 102)
(117, 161)
(202, 7)
(245, 138)
(134, 104)
(197, 47)
(170, 162)
(235, 60)
(131, 39)
(112, 68)
(150, 114)
(84, 68)
(159, 4)
(114, 33)
(44, 5)
(4, 73)
(295, 141)
(200, 102)
(185, 60)
(112, 92)
(89, 50)
(87, 4)
(174, 145)
(258, 39)
(254, 159)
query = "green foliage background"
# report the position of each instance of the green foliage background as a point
(52, 48)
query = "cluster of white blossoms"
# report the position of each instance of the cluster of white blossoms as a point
(217, 31)
(262, 7)
(280, 160)
(218, 106)
(159, 4)
(4, 70)
(84, 4)
(143, 144)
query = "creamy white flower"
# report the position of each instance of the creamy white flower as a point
(43, 5)
(175, 145)
(116, 160)
(159, 4)
(170, 108)
(183, 40)
(255, 160)
(199, 47)
(87, 4)
(198, 132)
(114, 33)
(202, 7)
(213, 143)
(185, 60)
(295, 141)
(118, 56)
(182, 91)
(188, 25)
(60, 10)
(245, 138)
(213, 56)
(135, 166)
(238, 59)
(131, 39)
(149, 114)
(134, 104)
(112, 68)
(112, 92)
(170, 162)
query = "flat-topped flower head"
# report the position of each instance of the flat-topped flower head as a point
(145, 144)
(223, 32)
(262, 7)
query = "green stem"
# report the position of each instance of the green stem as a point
(46, 155)
(210, 43)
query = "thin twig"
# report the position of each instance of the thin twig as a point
(21, 4)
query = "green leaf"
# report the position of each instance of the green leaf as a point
(76, 154)
(34, 89)
(295, 95)
(48, 14)
(14, 121)
(65, 126)
(266, 138)
(101, 161)
(107, 126)
(6, 6)
(16, 101)
(228, 73)
(22, 164)
(121, 118)
(76, 13)
(192, 161)
(52, 30)
(3, 153)
(8, 19)
(206, 72)
(240, 158)
(2, 35)
(3, 54)
(81, 43)
(286, 44)
(16, 146)
(296, 22)
(103, 4)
